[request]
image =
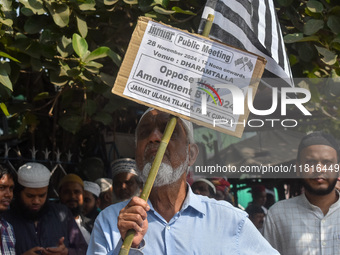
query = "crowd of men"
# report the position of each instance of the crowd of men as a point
(33, 224)
(93, 217)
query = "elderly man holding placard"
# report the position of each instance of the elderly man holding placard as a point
(174, 220)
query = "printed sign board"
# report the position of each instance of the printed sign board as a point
(189, 76)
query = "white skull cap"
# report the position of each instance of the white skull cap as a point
(104, 183)
(189, 129)
(207, 182)
(124, 165)
(92, 187)
(34, 175)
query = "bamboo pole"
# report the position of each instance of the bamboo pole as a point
(124, 250)
(169, 129)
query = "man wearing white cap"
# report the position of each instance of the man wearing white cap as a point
(174, 220)
(91, 200)
(125, 179)
(41, 226)
(106, 192)
(204, 187)
(309, 224)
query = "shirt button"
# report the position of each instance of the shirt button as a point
(323, 221)
(168, 227)
(323, 243)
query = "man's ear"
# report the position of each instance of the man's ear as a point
(107, 197)
(193, 153)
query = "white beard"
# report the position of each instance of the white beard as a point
(166, 174)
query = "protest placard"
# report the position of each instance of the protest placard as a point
(189, 76)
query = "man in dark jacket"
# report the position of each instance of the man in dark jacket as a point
(40, 226)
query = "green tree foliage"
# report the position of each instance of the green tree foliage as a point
(59, 58)
(312, 37)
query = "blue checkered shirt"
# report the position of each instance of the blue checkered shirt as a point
(7, 246)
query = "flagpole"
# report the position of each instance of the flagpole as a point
(208, 25)
(169, 129)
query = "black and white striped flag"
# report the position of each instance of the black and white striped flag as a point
(251, 25)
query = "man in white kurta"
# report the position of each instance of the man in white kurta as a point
(295, 226)
(310, 223)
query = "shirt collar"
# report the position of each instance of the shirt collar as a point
(314, 207)
(192, 200)
(337, 203)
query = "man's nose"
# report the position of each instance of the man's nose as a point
(321, 168)
(8, 193)
(74, 195)
(36, 200)
(155, 135)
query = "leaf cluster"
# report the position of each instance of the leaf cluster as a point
(59, 58)
(312, 37)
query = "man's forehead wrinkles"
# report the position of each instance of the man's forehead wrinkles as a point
(157, 119)
(36, 194)
(152, 117)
